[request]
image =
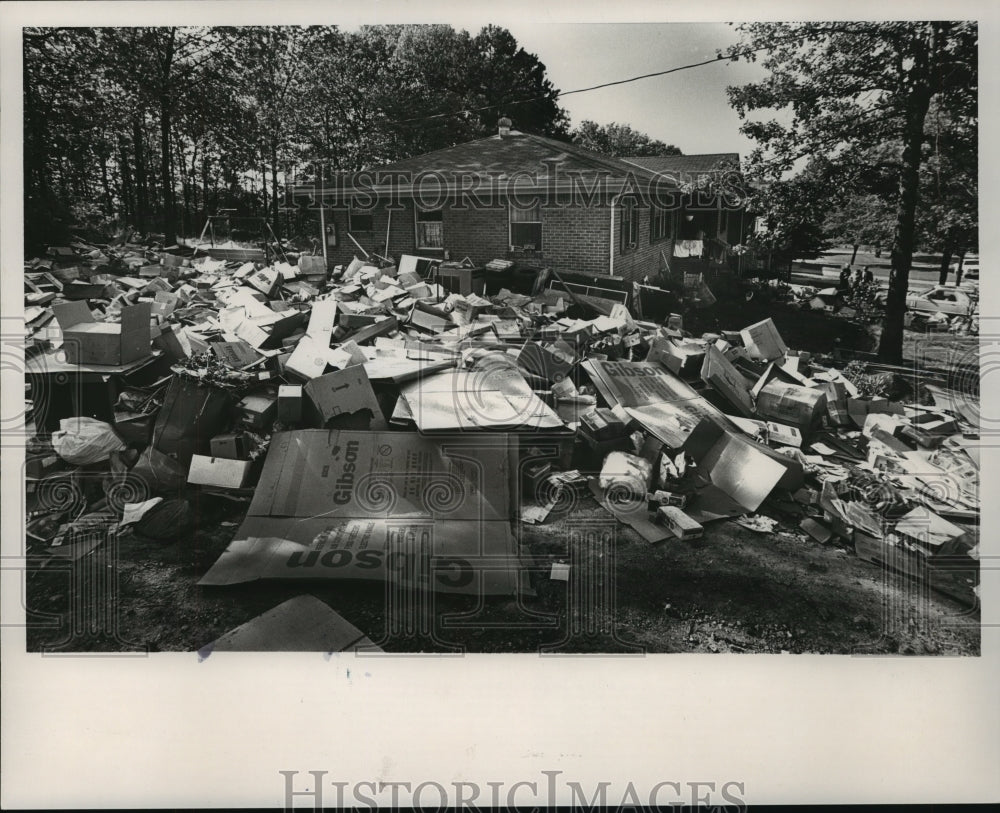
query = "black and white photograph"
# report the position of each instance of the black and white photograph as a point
(378, 341)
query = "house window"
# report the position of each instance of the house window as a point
(659, 224)
(526, 226)
(630, 225)
(430, 229)
(360, 221)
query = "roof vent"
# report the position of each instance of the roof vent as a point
(504, 124)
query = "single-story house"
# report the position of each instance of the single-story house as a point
(517, 195)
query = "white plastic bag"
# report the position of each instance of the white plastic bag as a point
(625, 477)
(83, 441)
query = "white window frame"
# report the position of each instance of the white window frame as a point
(417, 211)
(511, 221)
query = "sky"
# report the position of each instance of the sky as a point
(689, 108)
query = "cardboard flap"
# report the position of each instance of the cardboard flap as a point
(135, 319)
(737, 467)
(301, 624)
(72, 313)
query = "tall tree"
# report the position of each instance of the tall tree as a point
(849, 86)
(791, 212)
(619, 140)
(859, 220)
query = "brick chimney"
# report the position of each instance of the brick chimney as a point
(504, 125)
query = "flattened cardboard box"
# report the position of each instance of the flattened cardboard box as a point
(429, 512)
(301, 624)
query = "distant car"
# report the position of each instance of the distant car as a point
(944, 299)
(970, 268)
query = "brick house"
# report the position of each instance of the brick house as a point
(516, 195)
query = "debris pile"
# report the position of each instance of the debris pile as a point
(386, 421)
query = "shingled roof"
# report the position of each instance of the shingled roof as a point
(515, 152)
(528, 160)
(692, 164)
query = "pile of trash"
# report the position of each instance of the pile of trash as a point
(389, 419)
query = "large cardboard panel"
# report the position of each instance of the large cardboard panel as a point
(737, 474)
(301, 624)
(486, 398)
(433, 513)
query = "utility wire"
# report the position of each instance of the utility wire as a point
(727, 57)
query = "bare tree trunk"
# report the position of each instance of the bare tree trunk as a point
(946, 256)
(128, 201)
(204, 185)
(141, 180)
(274, 188)
(890, 348)
(166, 165)
(854, 256)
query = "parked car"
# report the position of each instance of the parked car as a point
(970, 268)
(944, 299)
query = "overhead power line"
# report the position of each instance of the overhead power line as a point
(559, 94)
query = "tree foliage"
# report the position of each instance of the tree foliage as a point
(619, 140)
(848, 89)
(156, 128)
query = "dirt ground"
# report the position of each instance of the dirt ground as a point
(732, 591)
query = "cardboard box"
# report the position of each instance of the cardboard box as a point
(343, 392)
(551, 360)
(380, 328)
(236, 354)
(725, 379)
(763, 341)
(735, 474)
(603, 424)
(289, 403)
(231, 446)
(428, 321)
(257, 412)
(352, 321)
(679, 523)
(312, 264)
(309, 359)
(173, 261)
(219, 472)
(266, 332)
(266, 280)
(680, 359)
(801, 407)
(88, 341)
